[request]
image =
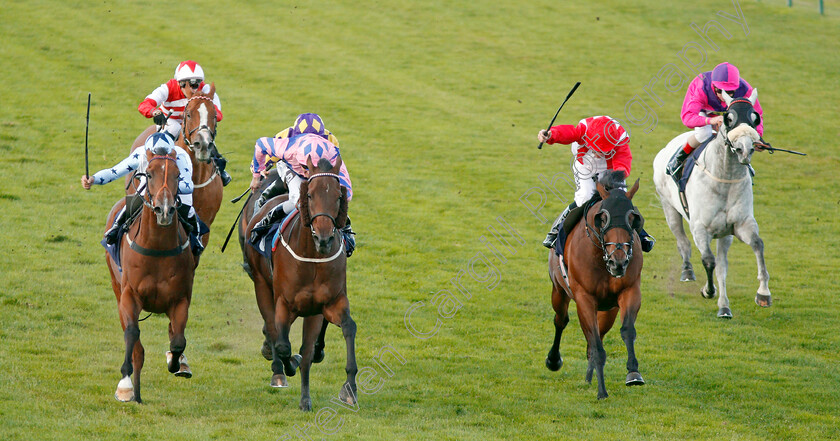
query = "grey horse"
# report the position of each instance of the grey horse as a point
(720, 200)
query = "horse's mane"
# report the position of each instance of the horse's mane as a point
(613, 179)
(324, 166)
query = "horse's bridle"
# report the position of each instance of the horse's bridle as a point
(748, 121)
(329, 216)
(147, 197)
(188, 135)
(622, 222)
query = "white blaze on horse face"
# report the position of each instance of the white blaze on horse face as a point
(202, 114)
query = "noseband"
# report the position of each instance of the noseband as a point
(188, 135)
(329, 216)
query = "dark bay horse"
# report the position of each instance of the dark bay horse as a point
(307, 278)
(198, 135)
(603, 278)
(157, 271)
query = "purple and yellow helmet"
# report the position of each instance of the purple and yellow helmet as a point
(308, 123)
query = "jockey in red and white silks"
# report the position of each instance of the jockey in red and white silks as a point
(170, 96)
(599, 144)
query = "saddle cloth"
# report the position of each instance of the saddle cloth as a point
(265, 244)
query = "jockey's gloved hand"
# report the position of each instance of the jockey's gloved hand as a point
(159, 118)
(544, 135)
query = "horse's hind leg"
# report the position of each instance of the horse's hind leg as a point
(320, 344)
(311, 329)
(175, 359)
(129, 312)
(630, 302)
(748, 233)
(560, 302)
(675, 223)
(704, 243)
(721, 266)
(339, 313)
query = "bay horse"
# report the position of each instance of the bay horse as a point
(604, 276)
(157, 271)
(306, 277)
(198, 135)
(720, 201)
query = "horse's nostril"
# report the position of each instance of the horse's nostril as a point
(158, 210)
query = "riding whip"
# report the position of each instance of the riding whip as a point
(558, 110)
(87, 124)
(241, 210)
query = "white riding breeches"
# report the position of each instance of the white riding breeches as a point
(173, 127)
(702, 133)
(293, 182)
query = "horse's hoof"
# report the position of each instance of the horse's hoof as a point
(602, 396)
(266, 351)
(348, 394)
(319, 355)
(687, 276)
(294, 362)
(725, 313)
(634, 379)
(763, 301)
(306, 404)
(706, 294)
(125, 390)
(555, 365)
(279, 381)
(182, 369)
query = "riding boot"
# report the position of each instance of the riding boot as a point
(647, 240)
(674, 168)
(113, 233)
(551, 237)
(277, 213)
(221, 163)
(273, 189)
(349, 240)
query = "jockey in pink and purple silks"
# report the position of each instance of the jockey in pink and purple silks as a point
(705, 94)
(289, 156)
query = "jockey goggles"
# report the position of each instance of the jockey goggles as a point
(193, 83)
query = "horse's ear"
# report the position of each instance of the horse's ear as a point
(726, 98)
(341, 218)
(212, 92)
(633, 190)
(753, 96)
(337, 167)
(603, 191)
(309, 167)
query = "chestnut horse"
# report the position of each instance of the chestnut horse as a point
(306, 277)
(603, 277)
(198, 134)
(157, 271)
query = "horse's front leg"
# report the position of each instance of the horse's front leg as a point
(339, 313)
(748, 233)
(311, 329)
(282, 349)
(630, 302)
(675, 223)
(175, 360)
(588, 317)
(129, 310)
(560, 303)
(703, 240)
(722, 265)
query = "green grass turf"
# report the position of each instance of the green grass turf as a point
(437, 105)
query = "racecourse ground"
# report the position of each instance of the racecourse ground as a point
(437, 106)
